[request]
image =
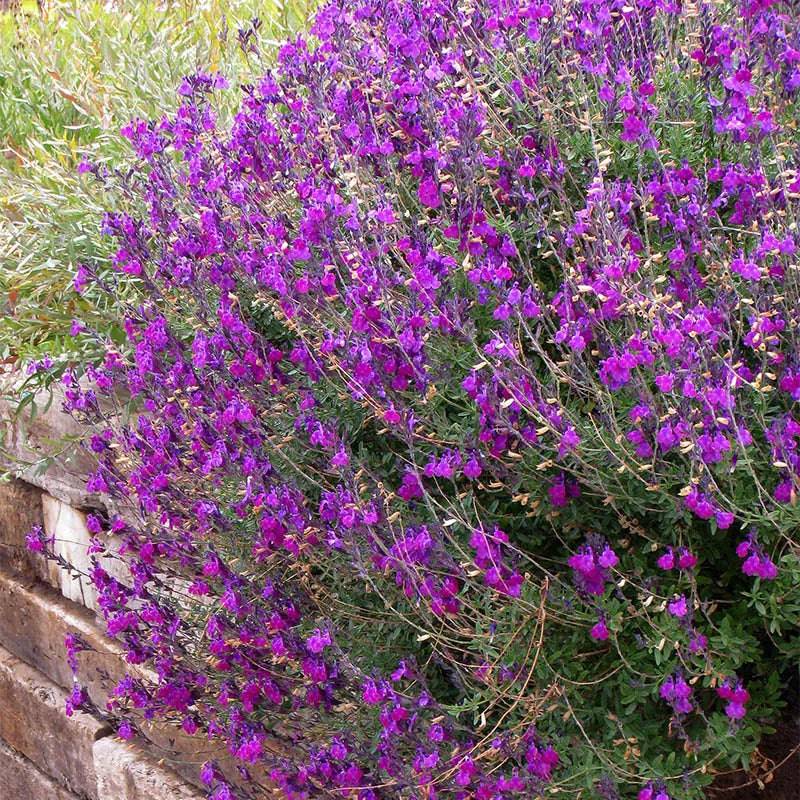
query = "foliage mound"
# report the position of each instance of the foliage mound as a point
(463, 460)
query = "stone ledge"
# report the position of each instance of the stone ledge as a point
(33, 723)
(125, 772)
(36, 630)
(20, 511)
(71, 540)
(35, 634)
(20, 779)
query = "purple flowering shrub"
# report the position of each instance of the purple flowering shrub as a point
(464, 455)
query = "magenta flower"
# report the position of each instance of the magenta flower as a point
(666, 560)
(678, 607)
(541, 761)
(724, 519)
(608, 558)
(472, 469)
(208, 773)
(340, 458)
(652, 792)
(318, 641)
(698, 643)
(373, 693)
(35, 540)
(599, 631)
(756, 563)
(428, 193)
(747, 269)
(569, 441)
(737, 696)
(686, 560)
(677, 693)
(562, 490)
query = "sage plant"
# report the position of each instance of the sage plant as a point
(463, 455)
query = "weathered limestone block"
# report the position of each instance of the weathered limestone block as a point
(67, 526)
(34, 626)
(33, 722)
(21, 780)
(35, 633)
(125, 772)
(20, 511)
(186, 754)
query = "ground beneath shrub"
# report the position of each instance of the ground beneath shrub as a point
(778, 769)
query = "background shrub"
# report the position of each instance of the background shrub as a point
(70, 77)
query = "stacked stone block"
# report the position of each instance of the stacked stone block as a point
(45, 754)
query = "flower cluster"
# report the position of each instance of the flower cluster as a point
(756, 562)
(677, 693)
(591, 568)
(734, 692)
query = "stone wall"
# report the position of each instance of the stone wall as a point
(44, 754)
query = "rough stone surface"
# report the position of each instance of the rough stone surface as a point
(34, 724)
(35, 633)
(125, 772)
(20, 511)
(21, 780)
(67, 527)
(186, 754)
(41, 446)
(71, 538)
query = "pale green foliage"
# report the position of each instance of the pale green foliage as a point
(70, 78)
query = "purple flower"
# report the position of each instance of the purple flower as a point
(608, 558)
(428, 193)
(569, 441)
(318, 641)
(678, 607)
(599, 631)
(77, 700)
(74, 644)
(756, 562)
(125, 730)
(340, 458)
(666, 560)
(222, 792)
(724, 519)
(633, 128)
(698, 643)
(652, 792)
(472, 469)
(737, 696)
(373, 693)
(35, 540)
(81, 279)
(207, 773)
(677, 693)
(747, 269)
(686, 560)
(541, 760)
